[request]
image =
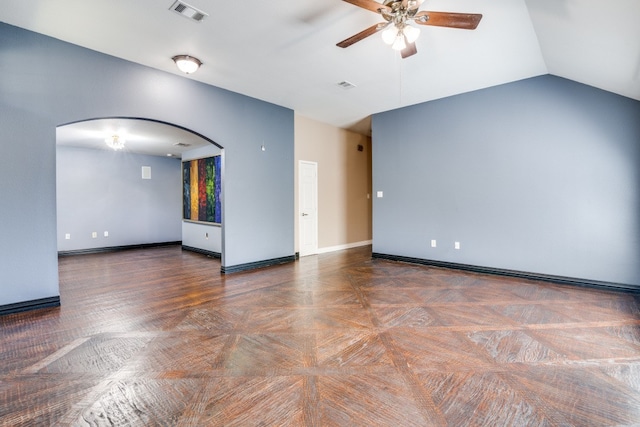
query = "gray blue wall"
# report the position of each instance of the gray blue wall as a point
(103, 190)
(540, 176)
(45, 83)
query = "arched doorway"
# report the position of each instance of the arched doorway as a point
(111, 197)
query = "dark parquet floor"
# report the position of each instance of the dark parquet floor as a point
(160, 337)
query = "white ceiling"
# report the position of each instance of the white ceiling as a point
(284, 51)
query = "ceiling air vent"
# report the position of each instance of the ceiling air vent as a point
(181, 144)
(346, 85)
(188, 11)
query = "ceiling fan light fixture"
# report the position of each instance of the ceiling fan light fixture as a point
(115, 142)
(389, 35)
(398, 14)
(399, 42)
(187, 64)
(412, 33)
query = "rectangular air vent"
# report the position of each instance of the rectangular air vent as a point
(188, 11)
(181, 144)
(346, 85)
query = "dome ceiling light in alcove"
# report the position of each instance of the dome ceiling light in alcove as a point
(115, 142)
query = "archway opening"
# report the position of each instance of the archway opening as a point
(110, 197)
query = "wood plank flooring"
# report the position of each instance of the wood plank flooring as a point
(159, 337)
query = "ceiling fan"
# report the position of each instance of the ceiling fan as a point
(398, 14)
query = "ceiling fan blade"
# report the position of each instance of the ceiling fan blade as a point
(362, 35)
(409, 50)
(465, 21)
(371, 5)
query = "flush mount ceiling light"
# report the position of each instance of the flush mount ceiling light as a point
(115, 142)
(187, 64)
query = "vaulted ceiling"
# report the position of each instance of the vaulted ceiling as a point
(284, 51)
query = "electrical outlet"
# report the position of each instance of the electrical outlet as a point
(106, 234)
(379, 194)
(67, 236)
(433, 243)
(456, 245)
(94, 234)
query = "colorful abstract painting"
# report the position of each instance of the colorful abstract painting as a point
(201, 180)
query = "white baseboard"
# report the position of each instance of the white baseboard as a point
(342, 247)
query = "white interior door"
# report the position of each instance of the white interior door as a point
(308, 207)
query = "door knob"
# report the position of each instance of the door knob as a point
(304, 214)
